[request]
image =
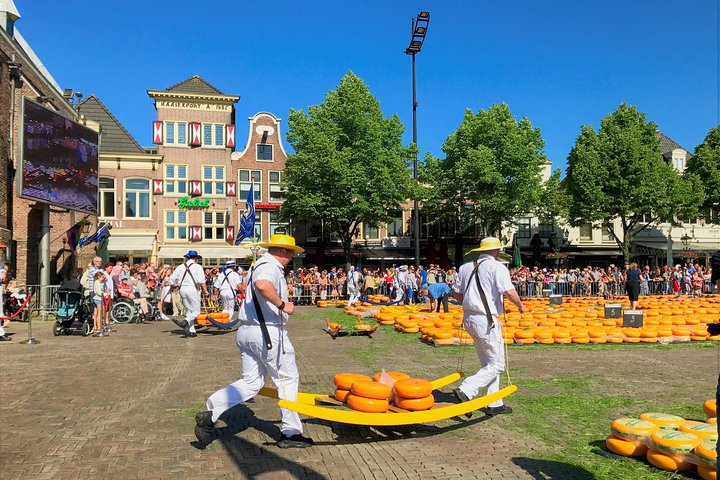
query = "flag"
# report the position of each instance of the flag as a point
(247, 221)
(100, 234)
(517, 258)
(73, 234)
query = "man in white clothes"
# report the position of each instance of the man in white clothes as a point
(400, 283)
(354, 282)
(265, 347)
(189, 277)
(480, 287)
(226, 286)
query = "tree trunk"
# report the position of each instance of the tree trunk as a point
(347, 243)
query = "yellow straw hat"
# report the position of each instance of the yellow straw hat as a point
(487, 244)
(282, 241)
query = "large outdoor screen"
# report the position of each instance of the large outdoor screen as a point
(59, 160)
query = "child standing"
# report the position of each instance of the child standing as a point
(98, 293)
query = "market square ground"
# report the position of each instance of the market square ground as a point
(122, 407)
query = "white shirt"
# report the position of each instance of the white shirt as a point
(267, 268)
(494, 279)
(233, 280)
(353, 280)
(194, 278)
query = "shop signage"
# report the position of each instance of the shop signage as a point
(268, 206)
(185, 202)
(193, 105)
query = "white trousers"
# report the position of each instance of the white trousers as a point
(399, 294)
(278, 363)
(228, 300)
(191, 303)
(354, 295)
(490, 350)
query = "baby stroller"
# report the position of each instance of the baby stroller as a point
(74, 313)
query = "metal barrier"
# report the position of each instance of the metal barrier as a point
(39, 292)
(598, 288)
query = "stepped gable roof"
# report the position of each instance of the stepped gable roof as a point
(195, 85)
(115, 138)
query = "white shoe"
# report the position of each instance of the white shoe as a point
(164, 317)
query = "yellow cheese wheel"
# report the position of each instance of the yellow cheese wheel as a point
(371, 389)
(442, 334)
(413, 388)
(625, 448)
(444, 341)
(415, 404)
(707, 473)
(632, 428)
(710, 407)
(369, 405)
(341, 395)
(411, 329)
(706, 452)
(667, 462)
(345, 380)
(712, 421)
(673, 441)
(663, 420)
(701, 429)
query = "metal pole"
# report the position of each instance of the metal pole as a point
(32, 340)
(45, 260)
(416, 209)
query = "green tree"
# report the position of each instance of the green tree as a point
(350, 166)
(706, 165)
(491, 173)
(619, 172)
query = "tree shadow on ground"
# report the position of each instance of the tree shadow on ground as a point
(552, 470)
(252, 459)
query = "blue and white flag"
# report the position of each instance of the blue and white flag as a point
(247, 222)
(100, 234)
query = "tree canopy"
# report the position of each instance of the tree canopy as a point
(706, 165)
(619, 171)
(350, 166)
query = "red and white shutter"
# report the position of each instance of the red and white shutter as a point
(230, 234)
(230, 136)
(230, 189)
(195, 134)
(195, 233)
(158, 133)
(157, 187)
(195, 188)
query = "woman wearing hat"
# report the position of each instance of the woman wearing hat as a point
(265, 347)
(480, 287)
(190, 278)
(226, 286)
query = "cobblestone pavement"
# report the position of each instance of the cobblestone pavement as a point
(122, 407)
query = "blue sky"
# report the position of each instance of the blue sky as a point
(561, 63)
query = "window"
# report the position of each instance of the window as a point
(690, 220)
(276, 192)
(679, 163)
(106, 205)
(214, 225)
(545, 230)
(176, 179)
(213, 135)
(370, 233)
(258, 226)
(137, 198)
(711, 214)
(523, 228)
(586, 233)
(245, 178)
(175, 225)
(607, 235)
(213, 180)
(264, 152)
(395, 226)
(175, 133)
(277, 224)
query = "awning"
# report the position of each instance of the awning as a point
(678, 246)
(386, 254)
(594, 253)
(219, 251)
(131, 243)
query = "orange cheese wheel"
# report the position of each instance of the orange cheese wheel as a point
(632, 429)
(710, 408)
(415, 404)
(444, 341)
(673, 442)
(442, 334)
(345, 380)
(412, 388)
(371, 389)
(563, 340)
(712, 421)
(341, 395)
(706, 452)
(667, 462)
(411, 329)
(625, 448)
(707, 473)
(701, 429)
(369, 405)
(663, 420)
(393, 375)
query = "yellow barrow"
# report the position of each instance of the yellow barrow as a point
(307, 404)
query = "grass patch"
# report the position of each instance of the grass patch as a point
(189, 411)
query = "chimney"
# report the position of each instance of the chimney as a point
(8, 15)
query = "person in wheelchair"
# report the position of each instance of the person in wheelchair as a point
(142, 292)
(125, 290)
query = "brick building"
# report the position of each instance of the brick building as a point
(22, 74)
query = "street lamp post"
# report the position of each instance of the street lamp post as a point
(417, 38)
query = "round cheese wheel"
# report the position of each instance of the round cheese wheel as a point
(625, 448)
(710, 407)
(706, 452)
(712, 421)
(413, 388)
(393, 375)
(415, 404)
(667, 462)
(663, 420)
(345, 380)
(341, 395)
(673, 441)
(701, 429)
(371, 389)
(444, 341)
(632, 428)
(707, 473)
(368, 405)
